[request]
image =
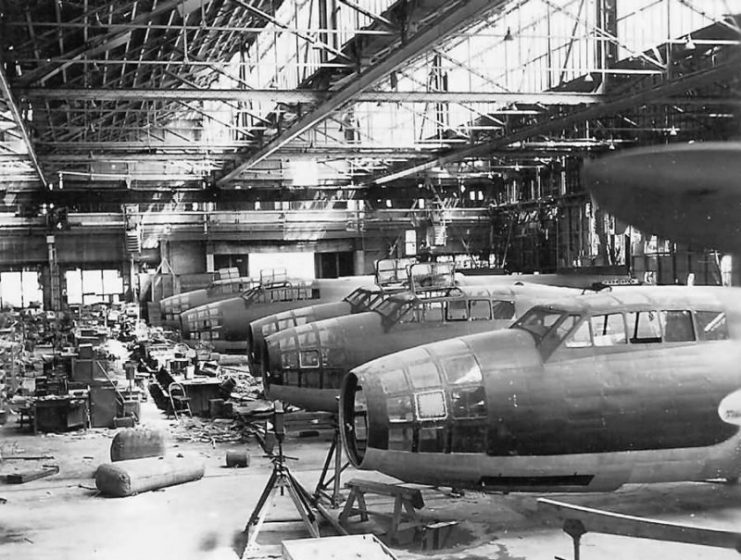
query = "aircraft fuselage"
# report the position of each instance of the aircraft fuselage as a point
(593, 401)
(226, 324)
(305, 365)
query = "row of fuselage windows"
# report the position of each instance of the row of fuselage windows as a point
(312, 379)
(455, 438)
(229, 288)
(460, 310)
(641, 327)
(182, 303)
(203, 335)
(464, 310)
(200, 320)
(287, 293)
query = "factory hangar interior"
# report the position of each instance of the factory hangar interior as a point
(158, 157)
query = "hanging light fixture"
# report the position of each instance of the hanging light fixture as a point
(508, 36)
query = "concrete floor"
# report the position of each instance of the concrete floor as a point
(63, 517)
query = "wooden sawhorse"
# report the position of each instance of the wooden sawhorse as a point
(406, 501)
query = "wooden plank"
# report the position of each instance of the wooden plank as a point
(29, 475)
(26, 457)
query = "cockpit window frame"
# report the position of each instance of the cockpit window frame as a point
(456, 310)
(358, 296)
(394, 308)
(540, 334)
(251, 294)
(719, 325)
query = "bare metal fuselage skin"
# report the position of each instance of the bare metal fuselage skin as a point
(508, 411)
(305, 365)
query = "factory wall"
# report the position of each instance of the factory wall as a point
(17, 251)
(185, 257)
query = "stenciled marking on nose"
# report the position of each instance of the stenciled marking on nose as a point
(729, 408)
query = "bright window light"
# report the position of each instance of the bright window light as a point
(303, 173)
(296, 265)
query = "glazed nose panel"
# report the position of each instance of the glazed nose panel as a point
(307, 356)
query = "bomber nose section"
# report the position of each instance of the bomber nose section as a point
(306, 365)
(453, 396)
(262, 328)
(202, 323)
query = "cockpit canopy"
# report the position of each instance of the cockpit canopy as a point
(364, 299)
(285, 292)
(551, 326)
(454, 305)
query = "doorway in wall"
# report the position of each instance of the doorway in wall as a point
(332, 265)
(240, 262)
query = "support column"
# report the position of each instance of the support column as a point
(55, 284)
(606, 54)
(210, 258)
(359, 262)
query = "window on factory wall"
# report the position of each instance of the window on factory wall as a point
(93, 286)
(410, 242)
(20, 289)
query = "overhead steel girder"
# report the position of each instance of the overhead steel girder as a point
(99, 44)
(421, 42)
(119, 157)
(598, 110)
(18, 118)
(305, 96)
(194, 146)
(351, 152)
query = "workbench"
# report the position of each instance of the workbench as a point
(200, 391)
(60, 413)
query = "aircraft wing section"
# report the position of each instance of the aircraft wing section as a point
(684, 192)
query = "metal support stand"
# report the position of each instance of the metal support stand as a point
(280, 479)
(335, 451)
(575, 529)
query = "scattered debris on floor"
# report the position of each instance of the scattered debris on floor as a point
(214, 431)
